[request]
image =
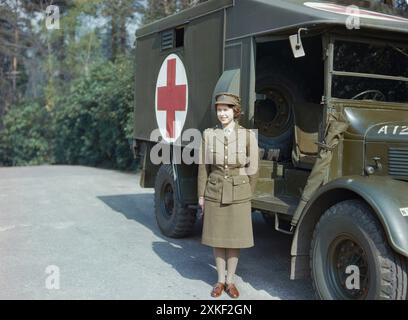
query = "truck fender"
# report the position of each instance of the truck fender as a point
(387, 198)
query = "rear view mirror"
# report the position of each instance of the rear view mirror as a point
(296, 44)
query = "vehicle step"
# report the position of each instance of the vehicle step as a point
(278, 203)
(265, 185)
(265, 172)
(270, 169)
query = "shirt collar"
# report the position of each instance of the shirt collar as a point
(230, 127)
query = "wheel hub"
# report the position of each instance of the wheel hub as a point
(168, 200)
(348, 259)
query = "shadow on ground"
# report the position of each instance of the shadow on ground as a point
(266, 266)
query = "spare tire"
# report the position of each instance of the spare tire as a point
(274, 115)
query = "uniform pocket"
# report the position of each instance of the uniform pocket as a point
(212, 190)
(241, 188)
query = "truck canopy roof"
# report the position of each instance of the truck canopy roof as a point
(255, 17)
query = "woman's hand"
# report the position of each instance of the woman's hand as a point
(201, 204)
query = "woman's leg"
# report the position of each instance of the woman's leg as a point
(232, 262)
(219, 254)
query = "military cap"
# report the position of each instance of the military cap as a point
(227, 98)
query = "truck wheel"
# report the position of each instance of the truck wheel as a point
(351, 259)
(173, 219)
(274, 116)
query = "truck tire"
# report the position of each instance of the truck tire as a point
(173, 219)
(274, 117)
(348, 234)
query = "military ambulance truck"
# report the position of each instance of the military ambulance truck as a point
(326, 86)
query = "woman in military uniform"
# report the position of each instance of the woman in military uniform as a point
(227, 176)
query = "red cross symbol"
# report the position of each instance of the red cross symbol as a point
(171, 98)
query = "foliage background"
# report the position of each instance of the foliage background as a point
(66, 95)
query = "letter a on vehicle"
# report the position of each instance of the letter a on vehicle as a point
(171, 101)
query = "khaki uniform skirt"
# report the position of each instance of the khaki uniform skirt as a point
(227, 225)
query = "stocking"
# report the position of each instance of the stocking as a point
(232, 262)
(219, 254)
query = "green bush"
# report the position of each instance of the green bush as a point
(93, 122)
(25, 138)
(91, 125)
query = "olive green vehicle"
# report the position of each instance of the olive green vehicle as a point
(328, 93)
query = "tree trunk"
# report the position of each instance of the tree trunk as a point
(114, 45)
(122, 33)
(15, 51)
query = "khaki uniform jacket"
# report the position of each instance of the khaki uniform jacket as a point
(228, 168)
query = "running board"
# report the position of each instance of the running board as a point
(282, 204)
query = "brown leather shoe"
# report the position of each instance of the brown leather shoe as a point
(232, 290)
(217, 289)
